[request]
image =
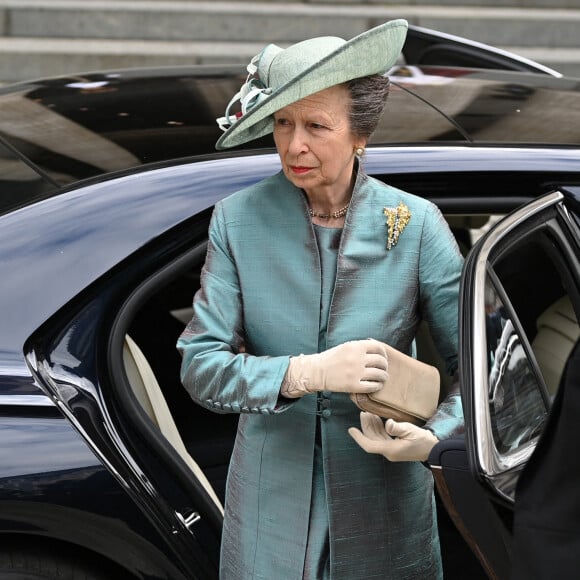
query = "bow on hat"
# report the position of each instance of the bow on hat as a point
(251, 93)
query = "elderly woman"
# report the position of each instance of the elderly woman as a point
(303, 286)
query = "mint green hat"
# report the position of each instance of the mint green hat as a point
(278, 77)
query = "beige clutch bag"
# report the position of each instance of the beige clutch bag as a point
(410, 394)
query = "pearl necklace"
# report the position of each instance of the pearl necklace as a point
(326, 216)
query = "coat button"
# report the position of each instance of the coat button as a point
(326, 413)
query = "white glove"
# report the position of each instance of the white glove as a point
(358, 366)
(396, 441)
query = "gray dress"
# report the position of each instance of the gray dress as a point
(317, 562)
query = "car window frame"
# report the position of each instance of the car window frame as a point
(499, 473)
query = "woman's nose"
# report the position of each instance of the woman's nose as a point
(298, 142)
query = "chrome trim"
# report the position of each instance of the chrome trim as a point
(571, 223)
(188, 520)
(491, 461)
(26, 401)
(48, 383)
(139, 486)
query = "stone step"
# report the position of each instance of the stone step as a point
(277, 21)
(564, 60)
(53, 37)
(461, 3)
(30, 58)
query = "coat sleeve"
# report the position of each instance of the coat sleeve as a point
(440, 273)
(214, 371)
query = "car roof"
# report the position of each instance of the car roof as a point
(71, 128)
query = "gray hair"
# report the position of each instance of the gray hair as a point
(368, 99)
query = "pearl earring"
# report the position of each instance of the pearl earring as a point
(359, 151)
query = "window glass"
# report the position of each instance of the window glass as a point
(495, 106)
(409, 119)
(79, 127)
(531, 329)
(517, 407)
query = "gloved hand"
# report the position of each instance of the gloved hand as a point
(396, 441)
(358, 366)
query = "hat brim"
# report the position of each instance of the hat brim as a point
(372, 52)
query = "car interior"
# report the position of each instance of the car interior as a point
(558, 332)
(203, 438)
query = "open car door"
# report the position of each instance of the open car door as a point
(503, 484)
(424, 46)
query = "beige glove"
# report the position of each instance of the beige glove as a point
(358, 366)
(396, 441)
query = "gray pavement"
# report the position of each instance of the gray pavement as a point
(51, 37)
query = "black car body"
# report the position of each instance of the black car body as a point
(107, 186)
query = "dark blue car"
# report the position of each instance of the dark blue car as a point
(107, 183)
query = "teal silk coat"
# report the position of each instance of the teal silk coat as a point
(259, 304)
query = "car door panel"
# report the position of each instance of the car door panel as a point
(519, 302)
(472, 513)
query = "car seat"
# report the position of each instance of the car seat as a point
(557, 334)
(146, 388)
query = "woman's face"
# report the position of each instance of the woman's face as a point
(315, 142)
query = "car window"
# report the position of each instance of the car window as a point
(516, 405)
(499, 106)
(409, 119)
(533, 278)
(525, 327)
(84, 126)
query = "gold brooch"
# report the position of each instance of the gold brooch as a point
(397, 219)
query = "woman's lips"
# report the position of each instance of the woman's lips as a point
(299, 170)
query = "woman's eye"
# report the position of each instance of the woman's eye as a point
(316, 126)
(282, 122)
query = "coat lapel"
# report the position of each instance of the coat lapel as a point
(282, 283)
